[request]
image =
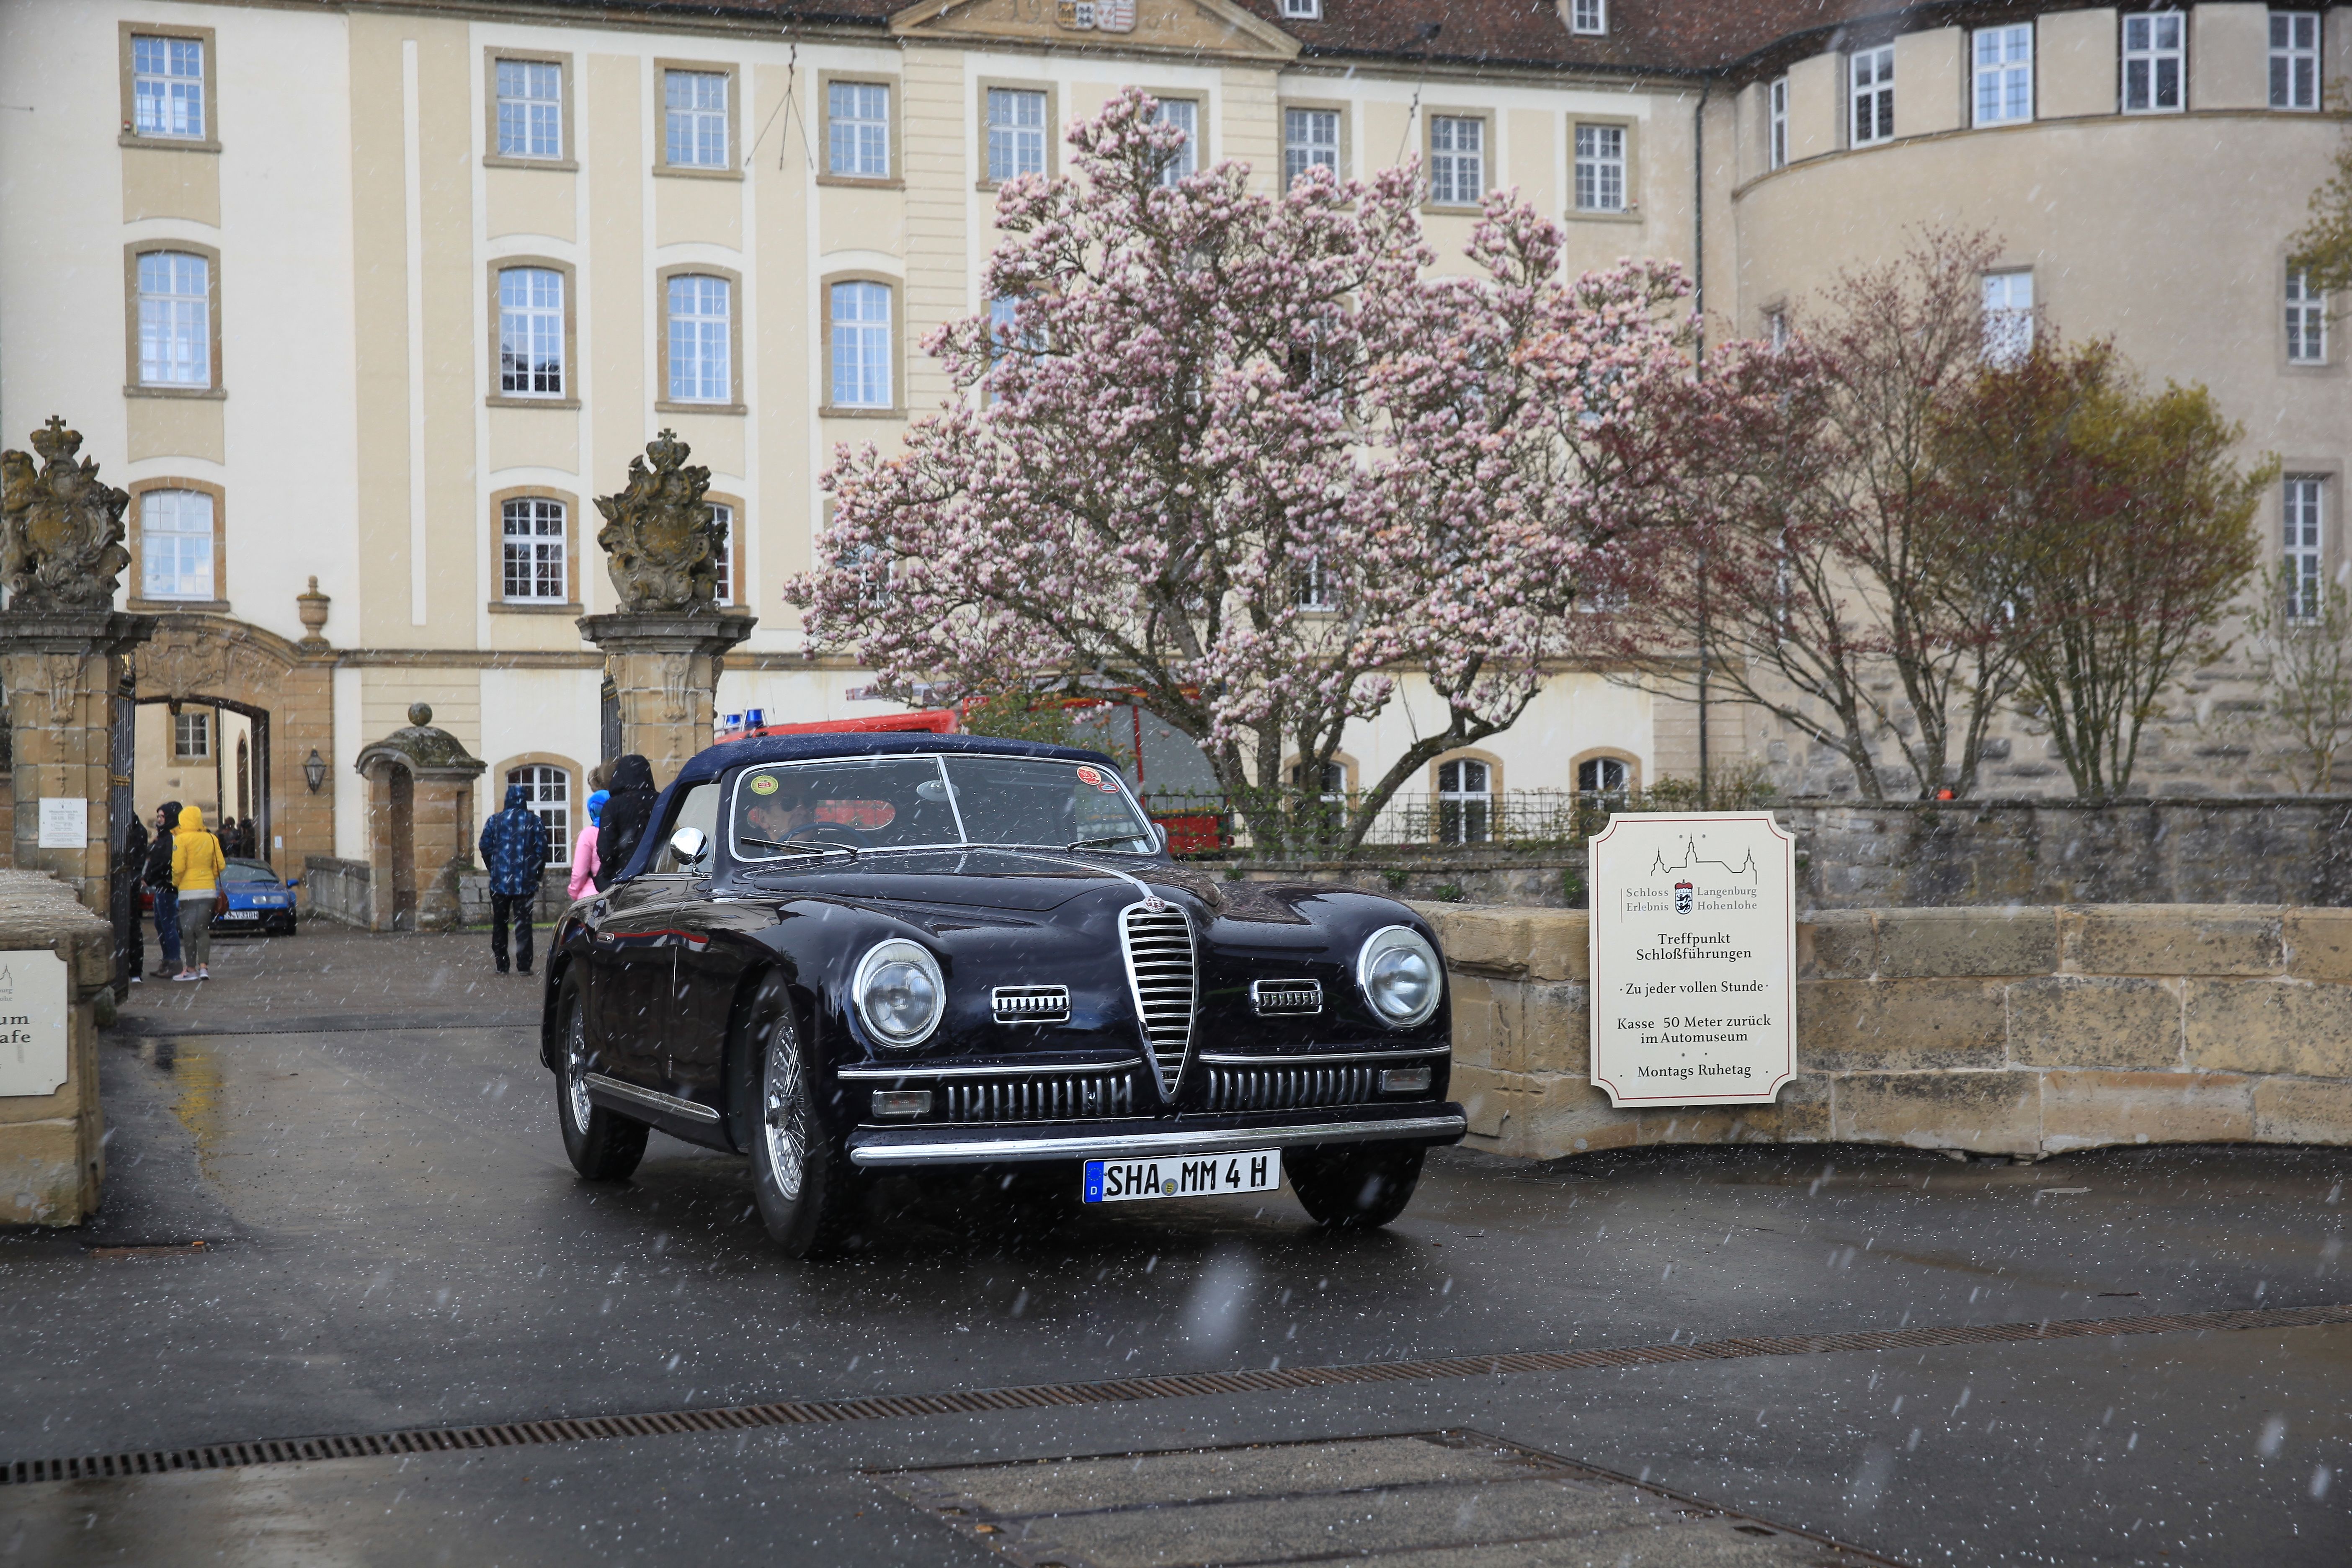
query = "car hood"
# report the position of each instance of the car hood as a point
(1029, 882)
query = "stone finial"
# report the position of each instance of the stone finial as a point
(659, 534)
(312, 607)
(60, 529)
(420, 714)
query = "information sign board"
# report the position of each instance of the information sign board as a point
(65, 822)
(1694, 959)
(32, 1022)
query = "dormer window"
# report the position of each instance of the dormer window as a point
(1302, 10)
(1588, 16)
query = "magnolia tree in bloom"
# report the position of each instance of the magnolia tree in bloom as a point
(1252, 459)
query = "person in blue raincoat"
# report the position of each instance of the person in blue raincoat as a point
(514, 847)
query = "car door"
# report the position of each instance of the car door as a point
(663, 924)
(630, 978)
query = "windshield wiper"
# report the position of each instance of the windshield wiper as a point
(1098, 843)
(803, 846)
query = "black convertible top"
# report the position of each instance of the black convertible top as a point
(712, 761)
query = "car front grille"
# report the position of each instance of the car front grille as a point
(1062, 1097)
(1159, 947)
(1289, 1088)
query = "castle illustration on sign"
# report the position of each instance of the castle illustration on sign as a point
(1692, 859)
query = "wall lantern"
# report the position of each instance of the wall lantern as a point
(314, 771)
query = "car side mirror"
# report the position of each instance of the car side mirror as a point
(293, 881)
(1160, 829)
(688, 844)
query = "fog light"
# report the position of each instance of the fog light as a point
(1394, 1080)
(898, 1104)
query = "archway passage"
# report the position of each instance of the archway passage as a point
(275, 695)
(234, 762)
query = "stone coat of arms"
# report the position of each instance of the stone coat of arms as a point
(660, 535)
(60, 529)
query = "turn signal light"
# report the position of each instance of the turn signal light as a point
(1396, 1081)
(900, 1104)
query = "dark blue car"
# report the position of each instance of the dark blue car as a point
(253, 898)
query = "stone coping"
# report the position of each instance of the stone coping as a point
(38, 910)
(52, 1146)
(2023, 1031)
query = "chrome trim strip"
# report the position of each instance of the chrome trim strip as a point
(1286, 998)
(916, 1069)
(651, 1099)
(1153, 1145)
(1321, 1059)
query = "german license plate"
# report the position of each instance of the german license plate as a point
(240, 914)
(1184, 1176)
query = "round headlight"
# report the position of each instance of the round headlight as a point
(898, 992)
(1401, 975)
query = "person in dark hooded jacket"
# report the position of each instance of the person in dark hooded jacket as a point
(626, 813)
(122, 890)
(157, 875)
(514, 847)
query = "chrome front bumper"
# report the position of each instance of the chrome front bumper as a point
(906, 1148)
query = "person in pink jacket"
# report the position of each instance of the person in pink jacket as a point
(584, 852)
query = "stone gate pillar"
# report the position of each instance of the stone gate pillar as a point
(665, 645)
(62, 651)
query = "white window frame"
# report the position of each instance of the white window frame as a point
(1016, 142)
(1589, 18)
(1776, 154)
(530, 332)
(1603, 789)
(1453, 166)
(548, 797)
(857, 142)
(695, 134)
(533, 539)
(2008, 317)
(861, 369)
(530, 109)
(701, 340)
(168, 100)
(192, 735)
(2146, 54)
(1184, 113)
(1318, 588)
(723, 562)
(175, 546)
(1599, 167)
(2306, 319)
(175, 319)
(1303, 148)
(1870, 96)
(1472, 804)
(2295, 82)
(1302, 10)
(2303, 500)
(2000, 78)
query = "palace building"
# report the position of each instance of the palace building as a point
(365, 302)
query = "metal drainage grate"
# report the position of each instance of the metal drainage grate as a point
(1124, 1390)
(1456, 1494)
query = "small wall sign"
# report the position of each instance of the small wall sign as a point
(65, 822)
(1694, 925)
(33, 1021)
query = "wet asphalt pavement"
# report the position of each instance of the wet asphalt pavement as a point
(393, 1240)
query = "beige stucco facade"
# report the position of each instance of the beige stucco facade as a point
(355, 210)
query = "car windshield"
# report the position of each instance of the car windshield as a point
(789, 809)
(247, 871)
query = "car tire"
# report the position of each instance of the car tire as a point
(1354, 1189)
(807, 1192)
(602, 1145)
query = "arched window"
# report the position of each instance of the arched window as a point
(531, 551)
(701, 310)
(1610, 777)
(861, 345)
(549, 792)
(176, 334)
(1466, 801)
(531, 331)
(175, 545)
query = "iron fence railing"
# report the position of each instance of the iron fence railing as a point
(1297, 823)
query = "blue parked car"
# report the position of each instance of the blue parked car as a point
(255, 899)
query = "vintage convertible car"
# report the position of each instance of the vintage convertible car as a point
(852, 955)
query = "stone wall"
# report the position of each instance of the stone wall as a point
(52, 1146)
(335, 890)
(1548, 881)
(2260, 849)
(2017, 1031)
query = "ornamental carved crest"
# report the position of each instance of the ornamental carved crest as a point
(659, 534)
(60, 528)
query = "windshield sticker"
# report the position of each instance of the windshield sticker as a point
(1094, 777)
(765, 784)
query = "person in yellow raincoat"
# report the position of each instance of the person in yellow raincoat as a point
(196, 864)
